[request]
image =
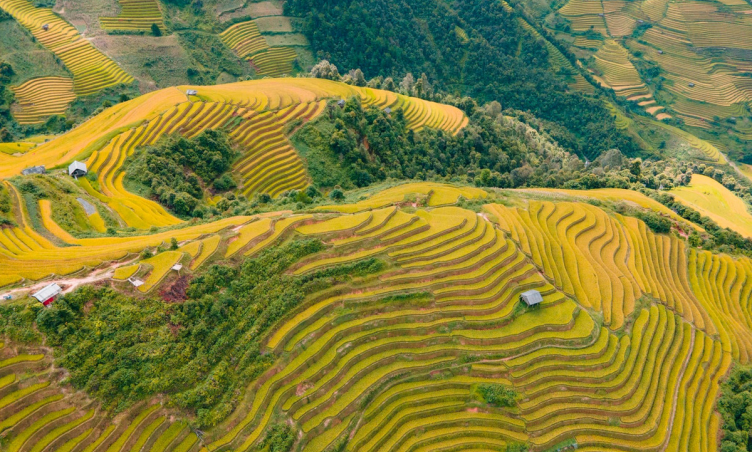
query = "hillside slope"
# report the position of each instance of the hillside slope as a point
(625, 352)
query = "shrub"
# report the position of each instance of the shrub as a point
(496, 395)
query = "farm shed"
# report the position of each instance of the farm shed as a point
(77, 169)
(531, 297)
(34, 170)
(191, 92)
(47, 294)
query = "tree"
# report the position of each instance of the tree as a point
(406, 85)
(358, 78)
(155, 30)
(326, 70)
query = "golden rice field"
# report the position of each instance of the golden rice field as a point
(39, 98)
(92, 70)
(135, 15)
(246, 40)
(712, 199)
(253, 113)
(37, 413)
(625, 353)
(702, 86)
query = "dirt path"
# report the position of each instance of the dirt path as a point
(68, 284)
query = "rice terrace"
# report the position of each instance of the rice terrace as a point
(339, 225)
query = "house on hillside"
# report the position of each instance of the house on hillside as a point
(34, 170)
(531, 297)
(47, 294)
(77, 169)
(191, 92)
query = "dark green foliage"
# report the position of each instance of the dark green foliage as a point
(17, 321)
(516, 447)
(176, 169)
(720, 239)
(203, 352)
(498, 61)
(354, 147)
(655, 222)
(496, 395)
(224, 183)
(735, 406)
(155, 30)
(279, 438)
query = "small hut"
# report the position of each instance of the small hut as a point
(531, 297)
(191, 92)
(46, 27)
(388, 110)
(47, 294)
(34, 170)
(77, 169)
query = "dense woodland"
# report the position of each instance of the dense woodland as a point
(465, 47)
(177, 170)
(735, 406)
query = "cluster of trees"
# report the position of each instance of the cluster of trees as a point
(465, 47)
(735, 406)
(716, 238)
(496, 395)
(6, 99)
(202, 353)
(351, 146)
(176, 170)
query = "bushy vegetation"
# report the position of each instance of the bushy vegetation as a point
(717, 238)
(496, 395)
(177, 170)
(212, 57)
(202, 352)
(279, 438)
(395, 38)
(735, 406)
(352, 146)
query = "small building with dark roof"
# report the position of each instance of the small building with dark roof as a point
(34, 170)
(77, 169)
(531, 297)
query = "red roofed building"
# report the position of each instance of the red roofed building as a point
(47, 294)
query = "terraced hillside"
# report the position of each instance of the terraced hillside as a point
(40, 98)
(253, 113)
(245, 39)
(625, 352)
(699, 48)
(91, 69)
(713, 200)
(135, 15)
(38, 414)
